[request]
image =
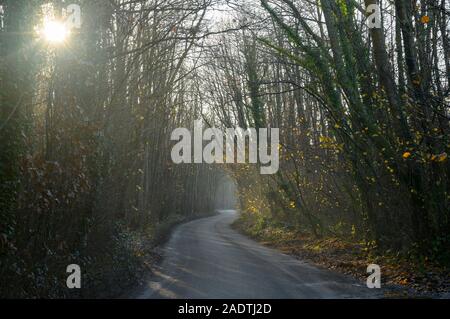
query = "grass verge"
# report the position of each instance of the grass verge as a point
(404, 276)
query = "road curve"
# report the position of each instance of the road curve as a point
(206, 259)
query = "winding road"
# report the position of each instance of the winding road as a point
(207, 259)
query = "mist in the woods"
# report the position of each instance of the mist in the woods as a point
(92, 90)
(226, 194)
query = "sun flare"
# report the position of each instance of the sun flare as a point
(55, 31)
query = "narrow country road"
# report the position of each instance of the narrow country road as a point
(206, 259)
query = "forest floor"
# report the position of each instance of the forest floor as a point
(405, 279)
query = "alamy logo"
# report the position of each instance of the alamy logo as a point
(373, 16)
(228, 147)
(73, 16)
(374, 280)
(74, 279)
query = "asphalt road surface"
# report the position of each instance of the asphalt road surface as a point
(206, 259)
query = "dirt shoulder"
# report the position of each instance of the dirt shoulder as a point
(402, 278)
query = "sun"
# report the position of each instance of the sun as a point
(55, 32)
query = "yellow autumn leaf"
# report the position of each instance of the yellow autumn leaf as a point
(443, 157)
(406, 155)
(425, 19)
(440, 158)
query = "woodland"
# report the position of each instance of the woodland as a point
(86, 118)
